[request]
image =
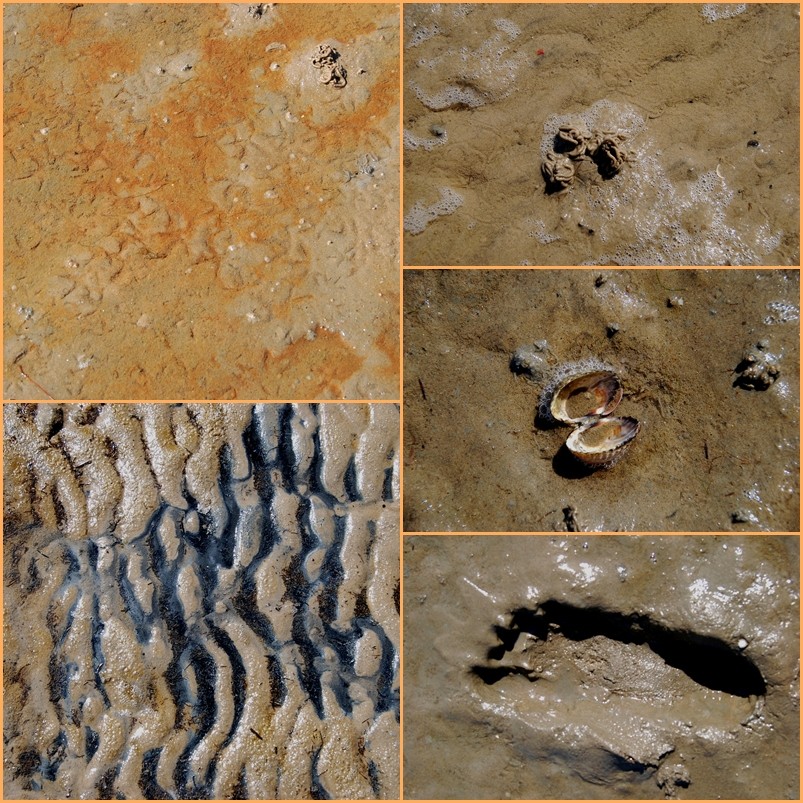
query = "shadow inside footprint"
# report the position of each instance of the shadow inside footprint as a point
(708, 661)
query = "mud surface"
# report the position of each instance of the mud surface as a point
(201, 602)
(189, 212)
(706, 96)
(712, 454)
(601, 667)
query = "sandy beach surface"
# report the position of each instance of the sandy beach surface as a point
(713, 453)
(706, 98)
(601, 667)
(201, 601)
(190, 211)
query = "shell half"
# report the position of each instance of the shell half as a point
(603, 441)
(591, 393)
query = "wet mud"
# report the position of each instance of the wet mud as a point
(600, 667)
(201, 601)
(192, 211)
(701, 103)
(708, 363)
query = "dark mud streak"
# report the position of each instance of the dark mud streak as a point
(331, 578)
(331, 575)
(299, 592)
(317, 789)
(208, 556)
(246, 607)
(55, 755)
(309, 540)
(106, 783)
(74, 565)
(147, 779)
(257, 439)
(58, 507)
(343, 647)
(170, 611)
(239, 678)
(286, 458)
(387, 483)
(141, 625)
(707, 660)
(204, 711)
(240, 791)
(92, 741)
(55, 426)
(373, 776)
(387, 698)
(97, 651)
(350, 482)
(92, 554)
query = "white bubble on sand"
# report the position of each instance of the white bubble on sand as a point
(420, 216)
(655, 219)
(782, 312)
(722, 11)
(464, 76)
(539, 232)
(413, 142)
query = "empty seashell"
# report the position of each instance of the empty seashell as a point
(591, 393)
(601, 442)
(558, 170)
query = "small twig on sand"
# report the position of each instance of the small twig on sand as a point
(33, 381)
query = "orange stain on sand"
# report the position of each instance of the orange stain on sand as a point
(328, 350)
(170, 160)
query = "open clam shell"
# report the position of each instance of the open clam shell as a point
(601, 442)
(585, 394)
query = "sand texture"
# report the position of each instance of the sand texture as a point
(601, 667)
(707, 99)
(189, 212)
(716, 451)
(201, 601)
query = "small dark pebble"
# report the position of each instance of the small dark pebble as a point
(752, 143)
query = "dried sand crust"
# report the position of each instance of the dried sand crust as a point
(201, 601)
(189, 212)
(601, 667)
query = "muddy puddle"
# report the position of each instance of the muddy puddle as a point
(708, 363)
(702, 102)
(601, 667)
(194, 207)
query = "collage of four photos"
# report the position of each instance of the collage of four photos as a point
(401, 401)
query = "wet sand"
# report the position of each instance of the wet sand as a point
(601, 667)
(201, 601)
(707, 98)
(189, 212)
(712, 454)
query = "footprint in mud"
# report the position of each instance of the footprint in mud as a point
(612, 693)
